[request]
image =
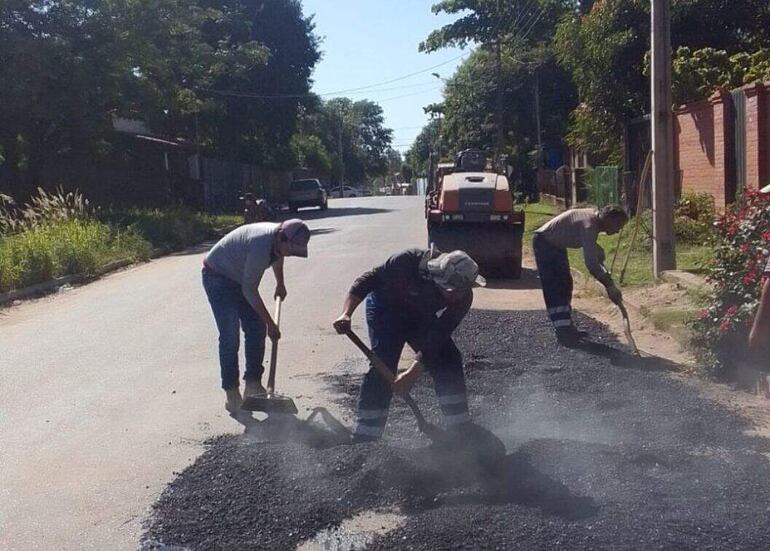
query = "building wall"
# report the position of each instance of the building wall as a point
(705, 142)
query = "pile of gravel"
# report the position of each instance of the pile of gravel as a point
(603, 452)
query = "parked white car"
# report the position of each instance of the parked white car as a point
(348, 191)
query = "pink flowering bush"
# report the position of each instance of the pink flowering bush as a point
(741, 252)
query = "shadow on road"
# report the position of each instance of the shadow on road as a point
(517, 481)
(289, 428)
(621, 358)
(528, 280)
(310, 214)
(322, 231)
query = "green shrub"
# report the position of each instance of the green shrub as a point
(743, 239)
(63, 248)
(694, 219)
(176, 228)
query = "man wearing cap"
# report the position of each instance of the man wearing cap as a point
(417, 299)
(232, 271)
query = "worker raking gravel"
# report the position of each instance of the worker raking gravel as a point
(417, 299)
(573, 229)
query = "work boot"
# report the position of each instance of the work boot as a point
(254, 388)
(234, 400)
(568, 336)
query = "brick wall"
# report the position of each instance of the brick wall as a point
(695, 152)
(704, 133)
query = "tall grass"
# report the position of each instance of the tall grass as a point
(173, 228)
(64, 247)
(59, 233)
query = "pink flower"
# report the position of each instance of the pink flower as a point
(745, 248)
(749, 279)
(731, 311)
(703, 313)
(724, 327)
(766, 236)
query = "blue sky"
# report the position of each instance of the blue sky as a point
(368, 42)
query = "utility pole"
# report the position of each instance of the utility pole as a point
(499, 83)
(537, 119)
(664, 247)
(342, 158)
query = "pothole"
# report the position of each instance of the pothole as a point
(354, 533)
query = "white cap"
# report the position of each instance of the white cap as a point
(455, 270)
(765, 189)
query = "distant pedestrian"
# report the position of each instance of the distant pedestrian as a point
(416, 299)
(573, 229)
(232, 272)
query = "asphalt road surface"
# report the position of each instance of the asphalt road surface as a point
(109, 389)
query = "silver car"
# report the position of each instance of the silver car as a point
(307, 193)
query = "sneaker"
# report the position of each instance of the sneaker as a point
(254, 388)
(234, 400)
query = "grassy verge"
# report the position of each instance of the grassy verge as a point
(690, 258)
(173, 229)
(62, 248)
(58, 248)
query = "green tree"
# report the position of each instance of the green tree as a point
(428, 139)
(604, 53)
(183, 66)
(355, 136)
(523, 68)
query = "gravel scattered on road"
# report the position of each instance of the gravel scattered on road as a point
(604, 451)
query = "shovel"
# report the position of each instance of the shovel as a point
(627, 327)
(428, 429)
(271, 402)
(472, 445)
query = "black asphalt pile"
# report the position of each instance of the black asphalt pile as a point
(604, 451)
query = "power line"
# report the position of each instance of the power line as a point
(360, 89)
(404, 77)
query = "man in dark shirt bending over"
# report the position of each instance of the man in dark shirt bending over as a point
(413, 298)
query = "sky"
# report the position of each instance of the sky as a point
(374, 42)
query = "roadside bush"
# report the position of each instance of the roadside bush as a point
(694, 219)
(43, 208)
(174, 228)
(65, 247)
(741, 249)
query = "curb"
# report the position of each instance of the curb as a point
(47, 287)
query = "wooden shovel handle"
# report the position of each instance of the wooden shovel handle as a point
(274, 349)
(378, 364)
(386, 374)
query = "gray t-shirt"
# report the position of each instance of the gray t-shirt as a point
(574, 229)
(243, 255)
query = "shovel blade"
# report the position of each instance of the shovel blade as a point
(269, 403)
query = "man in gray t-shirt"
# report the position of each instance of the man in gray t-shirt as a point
(573, 229)
(232, 272)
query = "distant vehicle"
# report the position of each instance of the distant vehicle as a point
(348, 191)
(471, 209)
(307, 193)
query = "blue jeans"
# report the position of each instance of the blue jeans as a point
(389, 331)
(231, 313)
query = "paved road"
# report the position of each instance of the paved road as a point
(108, 389)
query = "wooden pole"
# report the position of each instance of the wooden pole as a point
(664, 251)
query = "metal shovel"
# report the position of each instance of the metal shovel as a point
(271, 402)
(428, 429)
(627, 327)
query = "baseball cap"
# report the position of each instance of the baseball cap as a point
(298, 235)
(455, 270)
(765, 189)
